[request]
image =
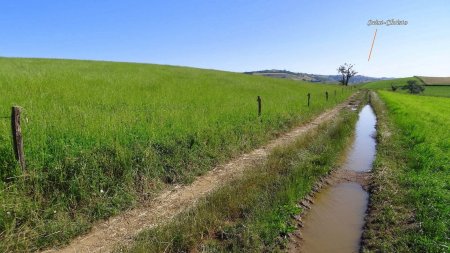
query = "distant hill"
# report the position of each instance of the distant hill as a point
(313, 77)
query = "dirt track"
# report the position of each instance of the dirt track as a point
(124, 227)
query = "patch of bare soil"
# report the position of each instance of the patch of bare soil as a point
(124, 227)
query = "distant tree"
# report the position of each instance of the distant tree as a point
(413, 87)
(393, 87)
(347, 72)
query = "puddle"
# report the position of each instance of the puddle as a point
(363, 150)
(336, 219)
(335, 222)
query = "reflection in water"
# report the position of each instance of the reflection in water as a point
(362, 153)
(335, 222)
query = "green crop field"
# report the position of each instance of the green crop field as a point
(437, 91)
(386, 84)
(100, 136)
(412, 175)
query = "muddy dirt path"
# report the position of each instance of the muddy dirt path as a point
(334, 217)
(124, 227)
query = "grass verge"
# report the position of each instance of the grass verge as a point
(254, 213)
(409, 197)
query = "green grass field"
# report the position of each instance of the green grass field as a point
(386, 84)
(100, 136)
(437, 91)
(255, 213)
(412, 174)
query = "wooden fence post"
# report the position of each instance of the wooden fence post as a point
(309, 98)
(259, 106)
(17, 136)
(326, 95)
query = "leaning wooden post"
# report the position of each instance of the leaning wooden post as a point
(326, 95)
(259, 106)
(309, 98)
(17, 135)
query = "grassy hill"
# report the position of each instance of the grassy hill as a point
(435, 80)
(438, 91)
(386, 84)
(100, 136)
(275, 73)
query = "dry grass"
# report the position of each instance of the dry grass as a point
(428, 80)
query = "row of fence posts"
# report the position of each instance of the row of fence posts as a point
(259, 100)
(18, 139)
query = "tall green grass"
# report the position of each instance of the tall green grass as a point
(100, 136)
(412, 175)
(255, 213)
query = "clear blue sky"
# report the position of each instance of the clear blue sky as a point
(235, 35)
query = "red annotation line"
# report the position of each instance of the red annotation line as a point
(373, 41)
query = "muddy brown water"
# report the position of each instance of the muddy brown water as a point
(336, 220)
(363, 150)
